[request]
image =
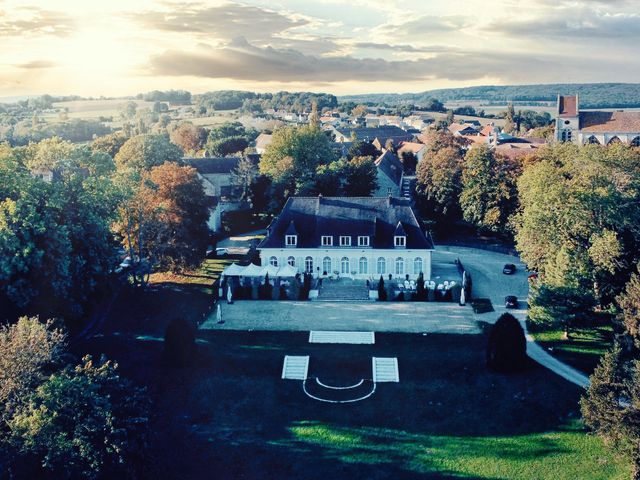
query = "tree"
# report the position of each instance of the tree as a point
(227, 146)
(361, 148)
(359, 111)
(226, 130)
(489, 195)
(629, 302)
(560, 306)
(610, 406)
(56, 246)
(507, 346)
(509, 119)
(450, 118)
(578, 221)
(27, 349)
(361, 177)
(143, 152)
(294, 154)
(189, 137)
(83, 422)
(243, 176)
(439, 184)
(128, 109)
(409, 162)
(164, 216)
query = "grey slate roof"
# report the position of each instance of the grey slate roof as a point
(391, 166)
(382, 133)
(375, 217)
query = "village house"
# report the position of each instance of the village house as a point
(356, 237)
(389, 176)
(216, 174)
(382, 134)
(591, 126)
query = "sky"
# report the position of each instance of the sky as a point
(124, 47)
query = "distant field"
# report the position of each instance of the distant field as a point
(495, 109)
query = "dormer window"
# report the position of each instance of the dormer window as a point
(363, 241)
(400, 237)
(291, 235)
(326, 241)
(291, 240)
(345, 241)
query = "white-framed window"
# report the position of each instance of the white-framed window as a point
(417, 265)
(326, 265)
(308, 265)
(345, 241)
(382, 266)
(291, 261)
(400, 241)
(273, 261)
(363, 266)
(363, 241)
(399, 266)
(326, 240)
(290, 240)
(389, 191)
(344, 265)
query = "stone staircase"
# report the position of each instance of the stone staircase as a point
(343, 290)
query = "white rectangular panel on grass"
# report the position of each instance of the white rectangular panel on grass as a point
(342, 337)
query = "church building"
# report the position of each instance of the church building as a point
(594, 126)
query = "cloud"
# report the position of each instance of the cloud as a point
(37, 65)
(402, 48)
(580, 23)
(423, 26)
(221, 22)
(34, 21)
(241, 60)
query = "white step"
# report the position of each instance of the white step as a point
(342, 337)
(295, 367)
(385, 369)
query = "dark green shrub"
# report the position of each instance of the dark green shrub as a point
(179, 342)
(421, 293)
(382, 293)
(507, 347)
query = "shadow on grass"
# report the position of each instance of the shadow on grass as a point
(447, 418)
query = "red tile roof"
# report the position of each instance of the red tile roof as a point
(568, 106)
(618, 122)
(413, 147)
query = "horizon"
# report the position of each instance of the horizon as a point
(328, 46)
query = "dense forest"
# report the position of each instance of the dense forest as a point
(258, 102)
(592, 95)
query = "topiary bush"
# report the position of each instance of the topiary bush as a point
(382, 292)
(179, 342)
(507, 347)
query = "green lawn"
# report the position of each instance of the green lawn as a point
(231, 416)
(206, 275)
(582, 351)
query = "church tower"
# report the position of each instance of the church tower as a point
(567, 119)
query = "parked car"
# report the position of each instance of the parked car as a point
(509, 269)
(511, 301)
(221, 252)
(533, 275)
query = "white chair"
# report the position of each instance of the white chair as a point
(412, 284)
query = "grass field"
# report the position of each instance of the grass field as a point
(582, 351)
(204, 276)
(231, 416)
